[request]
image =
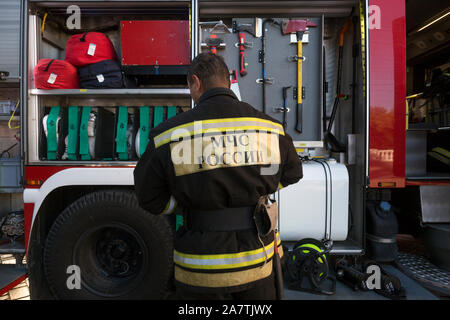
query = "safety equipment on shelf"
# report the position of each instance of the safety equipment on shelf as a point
(72, 137)
(60, 126)
(104, 135)
(381, 231)
(103, 74)
(307, 268)
(54, 125)
(87, 134)
(125, 133)
(55, 74)
(88, 48)
(145, 114)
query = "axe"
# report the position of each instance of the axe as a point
(299, 27)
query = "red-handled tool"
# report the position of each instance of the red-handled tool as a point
(242, 44)
(242, 69)
(214, 43)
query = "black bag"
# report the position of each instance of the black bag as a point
(103, 74)
(381, 231)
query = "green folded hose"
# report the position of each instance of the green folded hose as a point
(144, 123)
(84, 137)
(52, 129)
(121, 137)
(73, 133)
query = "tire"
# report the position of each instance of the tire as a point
(122, 251)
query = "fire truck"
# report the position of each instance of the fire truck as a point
(338, 84)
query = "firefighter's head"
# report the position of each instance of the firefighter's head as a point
(207, 71)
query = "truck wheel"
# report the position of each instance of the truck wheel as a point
(104, 246)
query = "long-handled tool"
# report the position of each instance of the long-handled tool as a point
(299, 27)
(242, 44)
(330, 140)
(279, 285)
(284, 109)
(262, 59)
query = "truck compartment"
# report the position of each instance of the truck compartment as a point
(160, 93)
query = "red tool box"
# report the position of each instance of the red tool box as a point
(155, 47)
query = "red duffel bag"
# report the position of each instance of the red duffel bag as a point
(88, 48)
(55, 74)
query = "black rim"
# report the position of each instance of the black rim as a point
(112, 258)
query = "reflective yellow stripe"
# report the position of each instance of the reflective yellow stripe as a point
(213, 130)
(225, 261)
(170, 206)
(442, 151)
(280, 186)
(228, 255)
(223, 125)
(220, 280)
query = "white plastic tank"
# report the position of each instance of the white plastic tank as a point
(317, 206)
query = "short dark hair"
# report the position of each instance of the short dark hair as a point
(210, 68)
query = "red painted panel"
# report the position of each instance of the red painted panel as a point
(41, 173)
(148, 43)
(387, 92)
(428, 182)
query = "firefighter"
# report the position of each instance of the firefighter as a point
(214, 162)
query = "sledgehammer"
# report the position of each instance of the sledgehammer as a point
(299, 27)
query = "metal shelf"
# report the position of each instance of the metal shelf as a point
(155, 92)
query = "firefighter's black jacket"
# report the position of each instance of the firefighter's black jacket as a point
(172, 171)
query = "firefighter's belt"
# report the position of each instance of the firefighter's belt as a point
(228, 219)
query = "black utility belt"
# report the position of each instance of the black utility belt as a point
(228, 219)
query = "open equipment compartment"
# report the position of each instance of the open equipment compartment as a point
(47, 35)
(167, 91)
(342, 213)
